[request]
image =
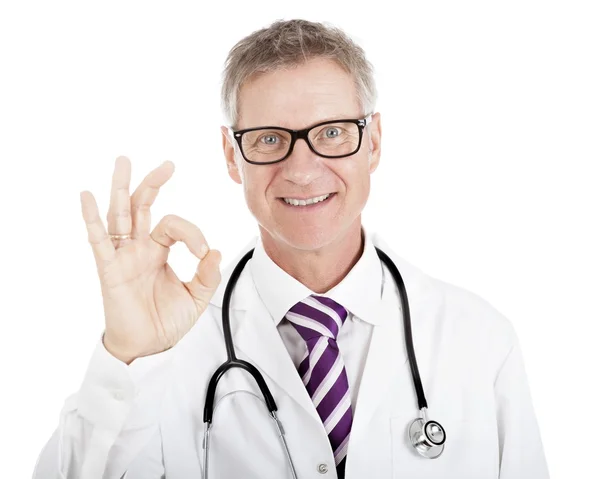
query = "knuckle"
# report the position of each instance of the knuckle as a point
(97, 238)
(141, 192)
(125, 213)
(175, 224)
(92, 220)
(140, 207)
(171, 218)
(201, 304)
(152, 188)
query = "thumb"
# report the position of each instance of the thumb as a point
(206, 279)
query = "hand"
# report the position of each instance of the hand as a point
(147, 309)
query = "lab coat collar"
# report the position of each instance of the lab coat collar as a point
(359, 291)
(414, 279)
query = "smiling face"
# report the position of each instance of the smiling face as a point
(298, 98)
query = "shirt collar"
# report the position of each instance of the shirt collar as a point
(359, 291)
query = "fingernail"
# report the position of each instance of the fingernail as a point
(203, 251)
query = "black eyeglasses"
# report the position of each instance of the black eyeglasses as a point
(265, 145)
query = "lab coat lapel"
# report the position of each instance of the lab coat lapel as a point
(387, 351)
(386, 354)
(257, 337)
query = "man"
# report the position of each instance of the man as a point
(314, 310)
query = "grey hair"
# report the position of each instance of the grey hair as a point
(289, 43)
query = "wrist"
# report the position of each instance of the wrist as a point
(116, 352)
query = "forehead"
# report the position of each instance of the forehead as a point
(298, 96)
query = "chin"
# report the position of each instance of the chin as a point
(307, 242)
(305, 238)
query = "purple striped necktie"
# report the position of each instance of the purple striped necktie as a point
(318, 320)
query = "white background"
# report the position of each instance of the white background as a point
(488, 178)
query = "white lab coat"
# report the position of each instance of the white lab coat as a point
(150, 423)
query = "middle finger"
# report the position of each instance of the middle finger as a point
(119, 211)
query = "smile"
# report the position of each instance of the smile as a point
(306, 202)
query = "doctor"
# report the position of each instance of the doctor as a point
(314, 309)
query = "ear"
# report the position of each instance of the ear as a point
(229, 151)
(374, 139)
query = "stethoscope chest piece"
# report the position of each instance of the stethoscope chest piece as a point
(427, 437)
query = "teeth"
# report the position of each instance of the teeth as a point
(310, 201)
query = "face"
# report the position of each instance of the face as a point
(298, 98)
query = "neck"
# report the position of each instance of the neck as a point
(319, 269)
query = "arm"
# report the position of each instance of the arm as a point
(110, 421)
(521, 450)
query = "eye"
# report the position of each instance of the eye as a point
(332, 132)
(269, 139)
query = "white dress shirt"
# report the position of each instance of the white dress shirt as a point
(359, 292)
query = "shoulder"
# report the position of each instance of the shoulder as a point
(473, 310)
(463, 314)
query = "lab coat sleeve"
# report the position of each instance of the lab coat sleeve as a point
(521, 450)
(110, 421)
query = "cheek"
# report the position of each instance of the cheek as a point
(256, 185)
(356, 177)
(358, 187)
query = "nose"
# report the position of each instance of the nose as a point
(302, 166)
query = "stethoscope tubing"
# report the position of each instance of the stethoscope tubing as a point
(234, 362)
(408, 337)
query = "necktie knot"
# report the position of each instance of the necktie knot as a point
(317, 316)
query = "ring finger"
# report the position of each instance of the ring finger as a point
(143, 198)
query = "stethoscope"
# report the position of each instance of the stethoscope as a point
(427, 436)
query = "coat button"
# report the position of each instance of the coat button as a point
(322, 468)
(119, 395)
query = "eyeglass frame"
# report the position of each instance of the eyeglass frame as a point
(303, 134)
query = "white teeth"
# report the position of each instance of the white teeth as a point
(310, 201)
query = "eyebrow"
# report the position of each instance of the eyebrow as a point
(331, 118)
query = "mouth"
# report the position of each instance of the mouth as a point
(308, 203)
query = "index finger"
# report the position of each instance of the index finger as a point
(173, 228)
